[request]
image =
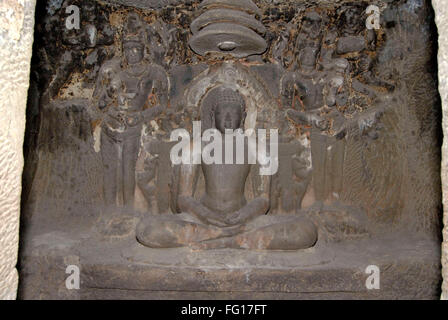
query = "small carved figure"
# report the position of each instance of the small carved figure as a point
(319, 112)
(368, 77)
(92, 33)
(354, 35)
(311, 78)
(85, 47)
(146, 181)
(306, 85)
(289, 185)
(302, 173)
(282, 49)
(310, 34)
(351, 20)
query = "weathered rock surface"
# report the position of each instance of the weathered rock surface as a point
(361, 157)
(16, 37)
(441, 11)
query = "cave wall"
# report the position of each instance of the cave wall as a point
(16, 35)
(16, 38)
(441, 11)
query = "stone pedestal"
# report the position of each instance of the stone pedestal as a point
(123, 269)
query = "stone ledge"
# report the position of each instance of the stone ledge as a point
(410, 269)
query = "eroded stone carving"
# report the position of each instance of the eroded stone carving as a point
(354, 110)
(228, 27)
(125, 101)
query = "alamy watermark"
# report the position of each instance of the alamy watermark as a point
(73, 281)
(373, 280)
(73, 21)
(373, 16)
(193, 151)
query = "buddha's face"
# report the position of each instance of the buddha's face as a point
(133, 52)
(228, 115)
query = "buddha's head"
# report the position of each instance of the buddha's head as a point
(229, 110)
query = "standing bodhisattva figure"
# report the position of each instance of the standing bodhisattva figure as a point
(126, 106)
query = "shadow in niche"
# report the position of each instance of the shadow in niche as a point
(438, 136)
(433, 69)
(64, 219)
(37, 85)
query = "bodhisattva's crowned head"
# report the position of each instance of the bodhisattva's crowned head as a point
(133, 50)
(134, 40)
(229, 110)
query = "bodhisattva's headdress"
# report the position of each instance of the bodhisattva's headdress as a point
(134, 32)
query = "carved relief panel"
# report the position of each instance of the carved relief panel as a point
(336, 119)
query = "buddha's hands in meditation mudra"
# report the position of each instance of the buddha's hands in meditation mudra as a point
(223, 218)
(240, 217)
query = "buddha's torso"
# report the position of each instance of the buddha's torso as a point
(225, 185)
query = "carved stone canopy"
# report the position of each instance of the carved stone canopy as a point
(228, 27)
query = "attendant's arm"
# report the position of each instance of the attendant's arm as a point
(151, 113)
(307, 118)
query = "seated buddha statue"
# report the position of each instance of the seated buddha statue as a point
(223, 218)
